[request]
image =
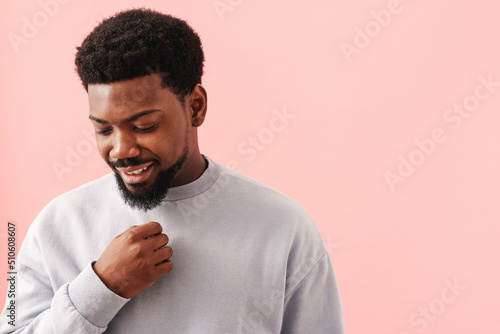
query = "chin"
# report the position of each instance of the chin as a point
(146, 197)
(136, 187)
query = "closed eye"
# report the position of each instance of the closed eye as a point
(148, 129)
(104, 132)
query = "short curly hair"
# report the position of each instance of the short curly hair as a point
(140, 42)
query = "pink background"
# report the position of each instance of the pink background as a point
(361, 102)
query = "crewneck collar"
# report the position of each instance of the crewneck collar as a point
(198, 186)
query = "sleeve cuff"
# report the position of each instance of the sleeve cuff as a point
(92, 299)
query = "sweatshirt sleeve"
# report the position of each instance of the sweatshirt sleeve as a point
(313, 305)
(84, 305)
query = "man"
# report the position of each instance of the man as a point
(101, 258)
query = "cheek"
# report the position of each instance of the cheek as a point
(169, 147)
(103, 148)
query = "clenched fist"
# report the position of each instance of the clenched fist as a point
(134, 260)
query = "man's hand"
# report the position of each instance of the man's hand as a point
(134, 260)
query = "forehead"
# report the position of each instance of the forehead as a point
(128, 96)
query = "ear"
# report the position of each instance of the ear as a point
(198, 105)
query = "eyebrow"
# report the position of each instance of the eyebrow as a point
(128, 119)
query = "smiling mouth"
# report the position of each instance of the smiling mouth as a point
(137, 171)
(136, 174)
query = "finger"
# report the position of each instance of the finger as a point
(148, 230)
(157, 241)
(164, 268)
(161, 255)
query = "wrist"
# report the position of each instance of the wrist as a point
(114, 287)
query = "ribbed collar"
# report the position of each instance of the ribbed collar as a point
(198, 186)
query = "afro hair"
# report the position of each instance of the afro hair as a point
(140, 42)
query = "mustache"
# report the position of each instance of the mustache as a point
(130, 162)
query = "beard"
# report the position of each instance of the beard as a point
(148, 198)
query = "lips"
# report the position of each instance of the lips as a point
(136, 174)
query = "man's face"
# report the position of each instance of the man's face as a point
(142, 133)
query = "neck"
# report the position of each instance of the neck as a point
(192, 169)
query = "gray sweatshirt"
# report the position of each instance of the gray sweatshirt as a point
(247, 259)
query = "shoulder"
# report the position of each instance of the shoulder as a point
(259, 195)
(269, 207)
(89, 196)
(62, 221)
(279, 218)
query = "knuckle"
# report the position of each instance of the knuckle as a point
(129, 238)
(130, 234)
(132, 228)
(137, 250)
(158, 226)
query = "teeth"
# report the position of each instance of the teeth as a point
(138, 171)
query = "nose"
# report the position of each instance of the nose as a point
(124, 146)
